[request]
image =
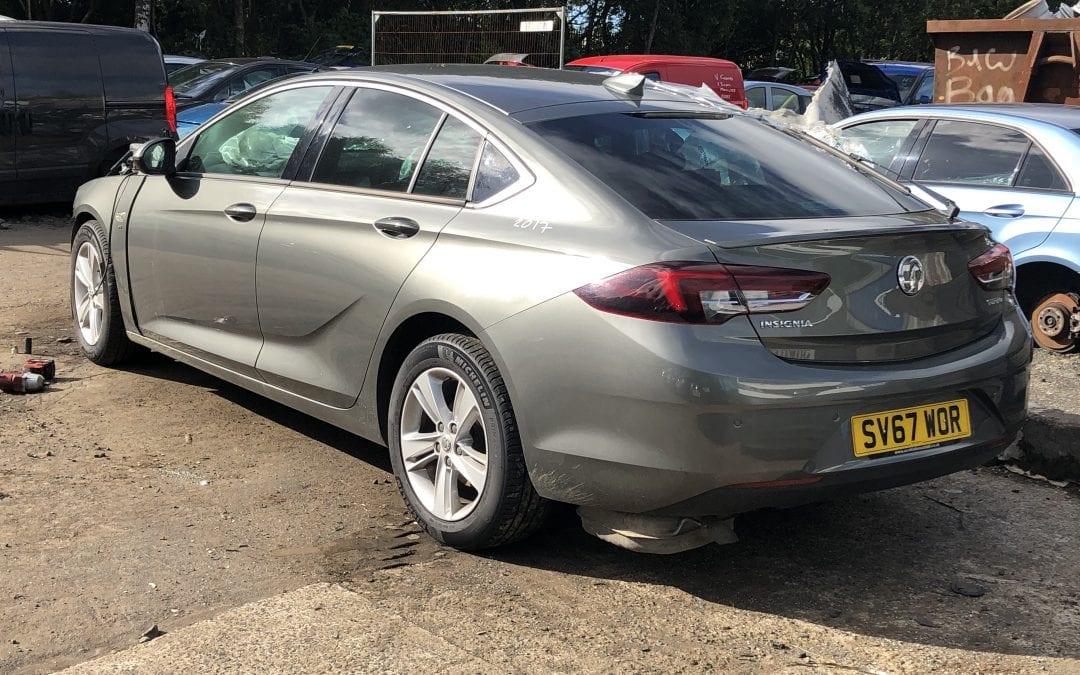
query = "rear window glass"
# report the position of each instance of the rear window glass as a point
(131, 67)
(1039, 173)
(494, 174)
(718, 168)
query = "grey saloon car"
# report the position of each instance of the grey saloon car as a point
(538, 286)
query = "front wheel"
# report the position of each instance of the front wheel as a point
(95, 306)
(455, 447)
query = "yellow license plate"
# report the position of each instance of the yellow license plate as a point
(910, 428)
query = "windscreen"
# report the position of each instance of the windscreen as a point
(187, 79)
(679, 167)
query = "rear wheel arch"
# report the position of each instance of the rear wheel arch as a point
(1036, 280)
(406, 337)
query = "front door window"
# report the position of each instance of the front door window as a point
(259, 138)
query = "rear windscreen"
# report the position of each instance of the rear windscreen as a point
(719, 168)
(131, 67)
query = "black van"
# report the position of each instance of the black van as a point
(72, 98)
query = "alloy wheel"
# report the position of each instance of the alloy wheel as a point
(444, 444)
(89, 293)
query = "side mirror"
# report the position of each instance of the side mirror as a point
(156, 157)
(940, 202)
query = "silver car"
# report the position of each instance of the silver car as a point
(537, 287)
(1013, 168)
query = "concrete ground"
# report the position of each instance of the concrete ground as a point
(259, 540)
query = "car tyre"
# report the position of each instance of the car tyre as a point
(450, 415)
(95, 306)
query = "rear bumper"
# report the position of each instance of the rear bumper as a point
(643, 417)
(880, 475)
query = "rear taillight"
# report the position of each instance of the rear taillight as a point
(693, 292)
(170, 109)
(993, 269)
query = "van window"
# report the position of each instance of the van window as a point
(50, 64)
(131, 67)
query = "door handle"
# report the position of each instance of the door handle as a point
(241, 213)
(1005, 211)
(396, 227)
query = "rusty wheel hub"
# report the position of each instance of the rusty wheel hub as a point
(1052, 322)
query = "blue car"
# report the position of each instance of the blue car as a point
(915, 80)
(188, 120)
(1014, 168)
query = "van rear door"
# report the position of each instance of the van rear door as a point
(60, 113)
(7, 117)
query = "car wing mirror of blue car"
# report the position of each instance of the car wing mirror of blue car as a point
(156, 157)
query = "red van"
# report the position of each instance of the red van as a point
(723, 77)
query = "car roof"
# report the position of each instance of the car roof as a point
(246, 60)
(627, 60)
(87, 27)
(1064, 116)
(509, 89)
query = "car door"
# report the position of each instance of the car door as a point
(998, 177)
(7, 114)
(192, 237)
(335, 250)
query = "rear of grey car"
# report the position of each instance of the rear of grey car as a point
(832, 335)
(647, 305)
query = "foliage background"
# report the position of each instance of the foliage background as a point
(798, 33)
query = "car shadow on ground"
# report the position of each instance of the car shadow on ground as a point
(162, 367)
(882, 565)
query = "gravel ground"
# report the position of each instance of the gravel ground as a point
(160, 496)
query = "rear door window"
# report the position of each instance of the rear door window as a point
(972, 154)
(878, 142)
(449, 163)
(378, 141)
(679, 166)
(785, 99)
